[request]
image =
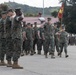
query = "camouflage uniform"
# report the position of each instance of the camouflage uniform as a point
(17, 38)
(57, 40)
(40, 39)
(29, 40)
(2, 39)
(35, 37)
(71, 39)
(63, 42)
(23, 42)
(9, 39)
(24, 26)
(49, 39)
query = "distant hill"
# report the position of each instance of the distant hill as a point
(30, 9)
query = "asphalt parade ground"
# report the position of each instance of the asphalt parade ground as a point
(39, 65)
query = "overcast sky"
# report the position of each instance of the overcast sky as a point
(36, 3)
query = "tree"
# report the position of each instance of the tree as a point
(69, 15)
(54, 13)
(3, 7)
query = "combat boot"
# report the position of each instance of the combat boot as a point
(16, 66)
(22, 53)
(32, 52)
(50, 53)
(9, 64)
(26, 52)
(66, 56)
(2, 63)
(52, 56)
(39, 52)
(46, 55)
(60, 55)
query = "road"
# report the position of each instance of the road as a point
(39, 65)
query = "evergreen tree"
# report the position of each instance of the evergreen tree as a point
(69, 15)
(3, 7)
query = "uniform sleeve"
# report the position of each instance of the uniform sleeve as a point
(19, 18)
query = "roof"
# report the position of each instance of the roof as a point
(36, 19)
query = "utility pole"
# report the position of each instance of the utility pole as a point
(43, 8)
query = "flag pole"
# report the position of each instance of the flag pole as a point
(60, 14)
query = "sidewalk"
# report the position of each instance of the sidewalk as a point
(39, 65)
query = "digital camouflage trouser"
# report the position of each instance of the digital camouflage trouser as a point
(16, 49)
(49, 45)
(57, 45)
(63, 45)
(34, 43)
(39, 44)
(3, 48)
(29, 45)
(9, 48)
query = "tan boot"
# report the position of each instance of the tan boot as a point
(2, 63)
(16, 66)
(9, 64)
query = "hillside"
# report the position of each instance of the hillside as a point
(32, 10)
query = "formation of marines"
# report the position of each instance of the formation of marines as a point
(47, 37)
(17, 37)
